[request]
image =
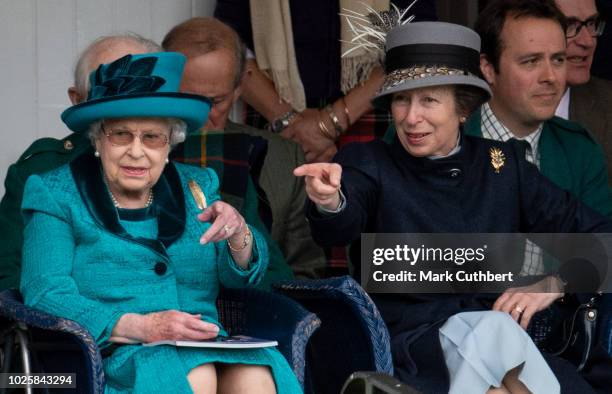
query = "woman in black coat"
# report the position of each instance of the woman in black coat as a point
(434, 179)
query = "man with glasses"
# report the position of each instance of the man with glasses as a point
(524, 59)
(588, 99)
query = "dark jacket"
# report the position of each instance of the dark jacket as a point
(387, 190)
(571, 159)
(591, 106)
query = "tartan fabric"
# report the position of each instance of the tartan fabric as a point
(231, 156)
(237, 159)
(234, 157)
(371, 125)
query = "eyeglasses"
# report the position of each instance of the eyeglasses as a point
(595, 27)
(150, 139)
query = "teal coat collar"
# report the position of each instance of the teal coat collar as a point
(169, 203)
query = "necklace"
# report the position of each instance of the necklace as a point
(147, 204)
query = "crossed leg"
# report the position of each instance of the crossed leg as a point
(510, 384)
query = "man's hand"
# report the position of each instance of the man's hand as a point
(322, 183)
(305, 131)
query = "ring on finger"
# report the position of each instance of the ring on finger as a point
(519, 309)
(227, 229)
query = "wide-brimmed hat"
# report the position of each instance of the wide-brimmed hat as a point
(145, 85)
(422, 54)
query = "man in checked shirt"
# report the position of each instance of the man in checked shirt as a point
(523, 58)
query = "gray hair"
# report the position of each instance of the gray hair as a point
(83, 68)
(178, 131)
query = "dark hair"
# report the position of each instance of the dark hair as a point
(468, 98)
(491, 22)
(201, 35)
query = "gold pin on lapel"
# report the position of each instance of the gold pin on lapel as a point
(198, 194)
(497, 159)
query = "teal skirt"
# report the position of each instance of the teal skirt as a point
(164, 369)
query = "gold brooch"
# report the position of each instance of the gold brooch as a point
(497, 159)
(198, 194)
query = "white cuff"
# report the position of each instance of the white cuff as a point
(339, 209)
(250, 54)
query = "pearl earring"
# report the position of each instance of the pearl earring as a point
(462, 119)
(97, 154)
(167, 161)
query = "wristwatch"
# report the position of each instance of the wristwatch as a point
(279, 124)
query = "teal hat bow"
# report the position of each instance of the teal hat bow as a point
(145, 85)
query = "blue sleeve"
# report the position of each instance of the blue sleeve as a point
(234, 276)
(48, 254)
(230, 273)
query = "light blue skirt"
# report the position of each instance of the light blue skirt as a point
(481, 347)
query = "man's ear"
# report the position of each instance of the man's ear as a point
(487, 69)
(74, 96)
(237, 92)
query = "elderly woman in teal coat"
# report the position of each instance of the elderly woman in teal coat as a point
(135, 247)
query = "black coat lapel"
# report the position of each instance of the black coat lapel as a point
(169, 203)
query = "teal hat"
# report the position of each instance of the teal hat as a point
(144, 85)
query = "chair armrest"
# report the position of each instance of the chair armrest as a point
(250, 312)
(267, 315)
(13, 309)
(349, 321)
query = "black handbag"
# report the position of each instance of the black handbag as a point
(574, 331)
